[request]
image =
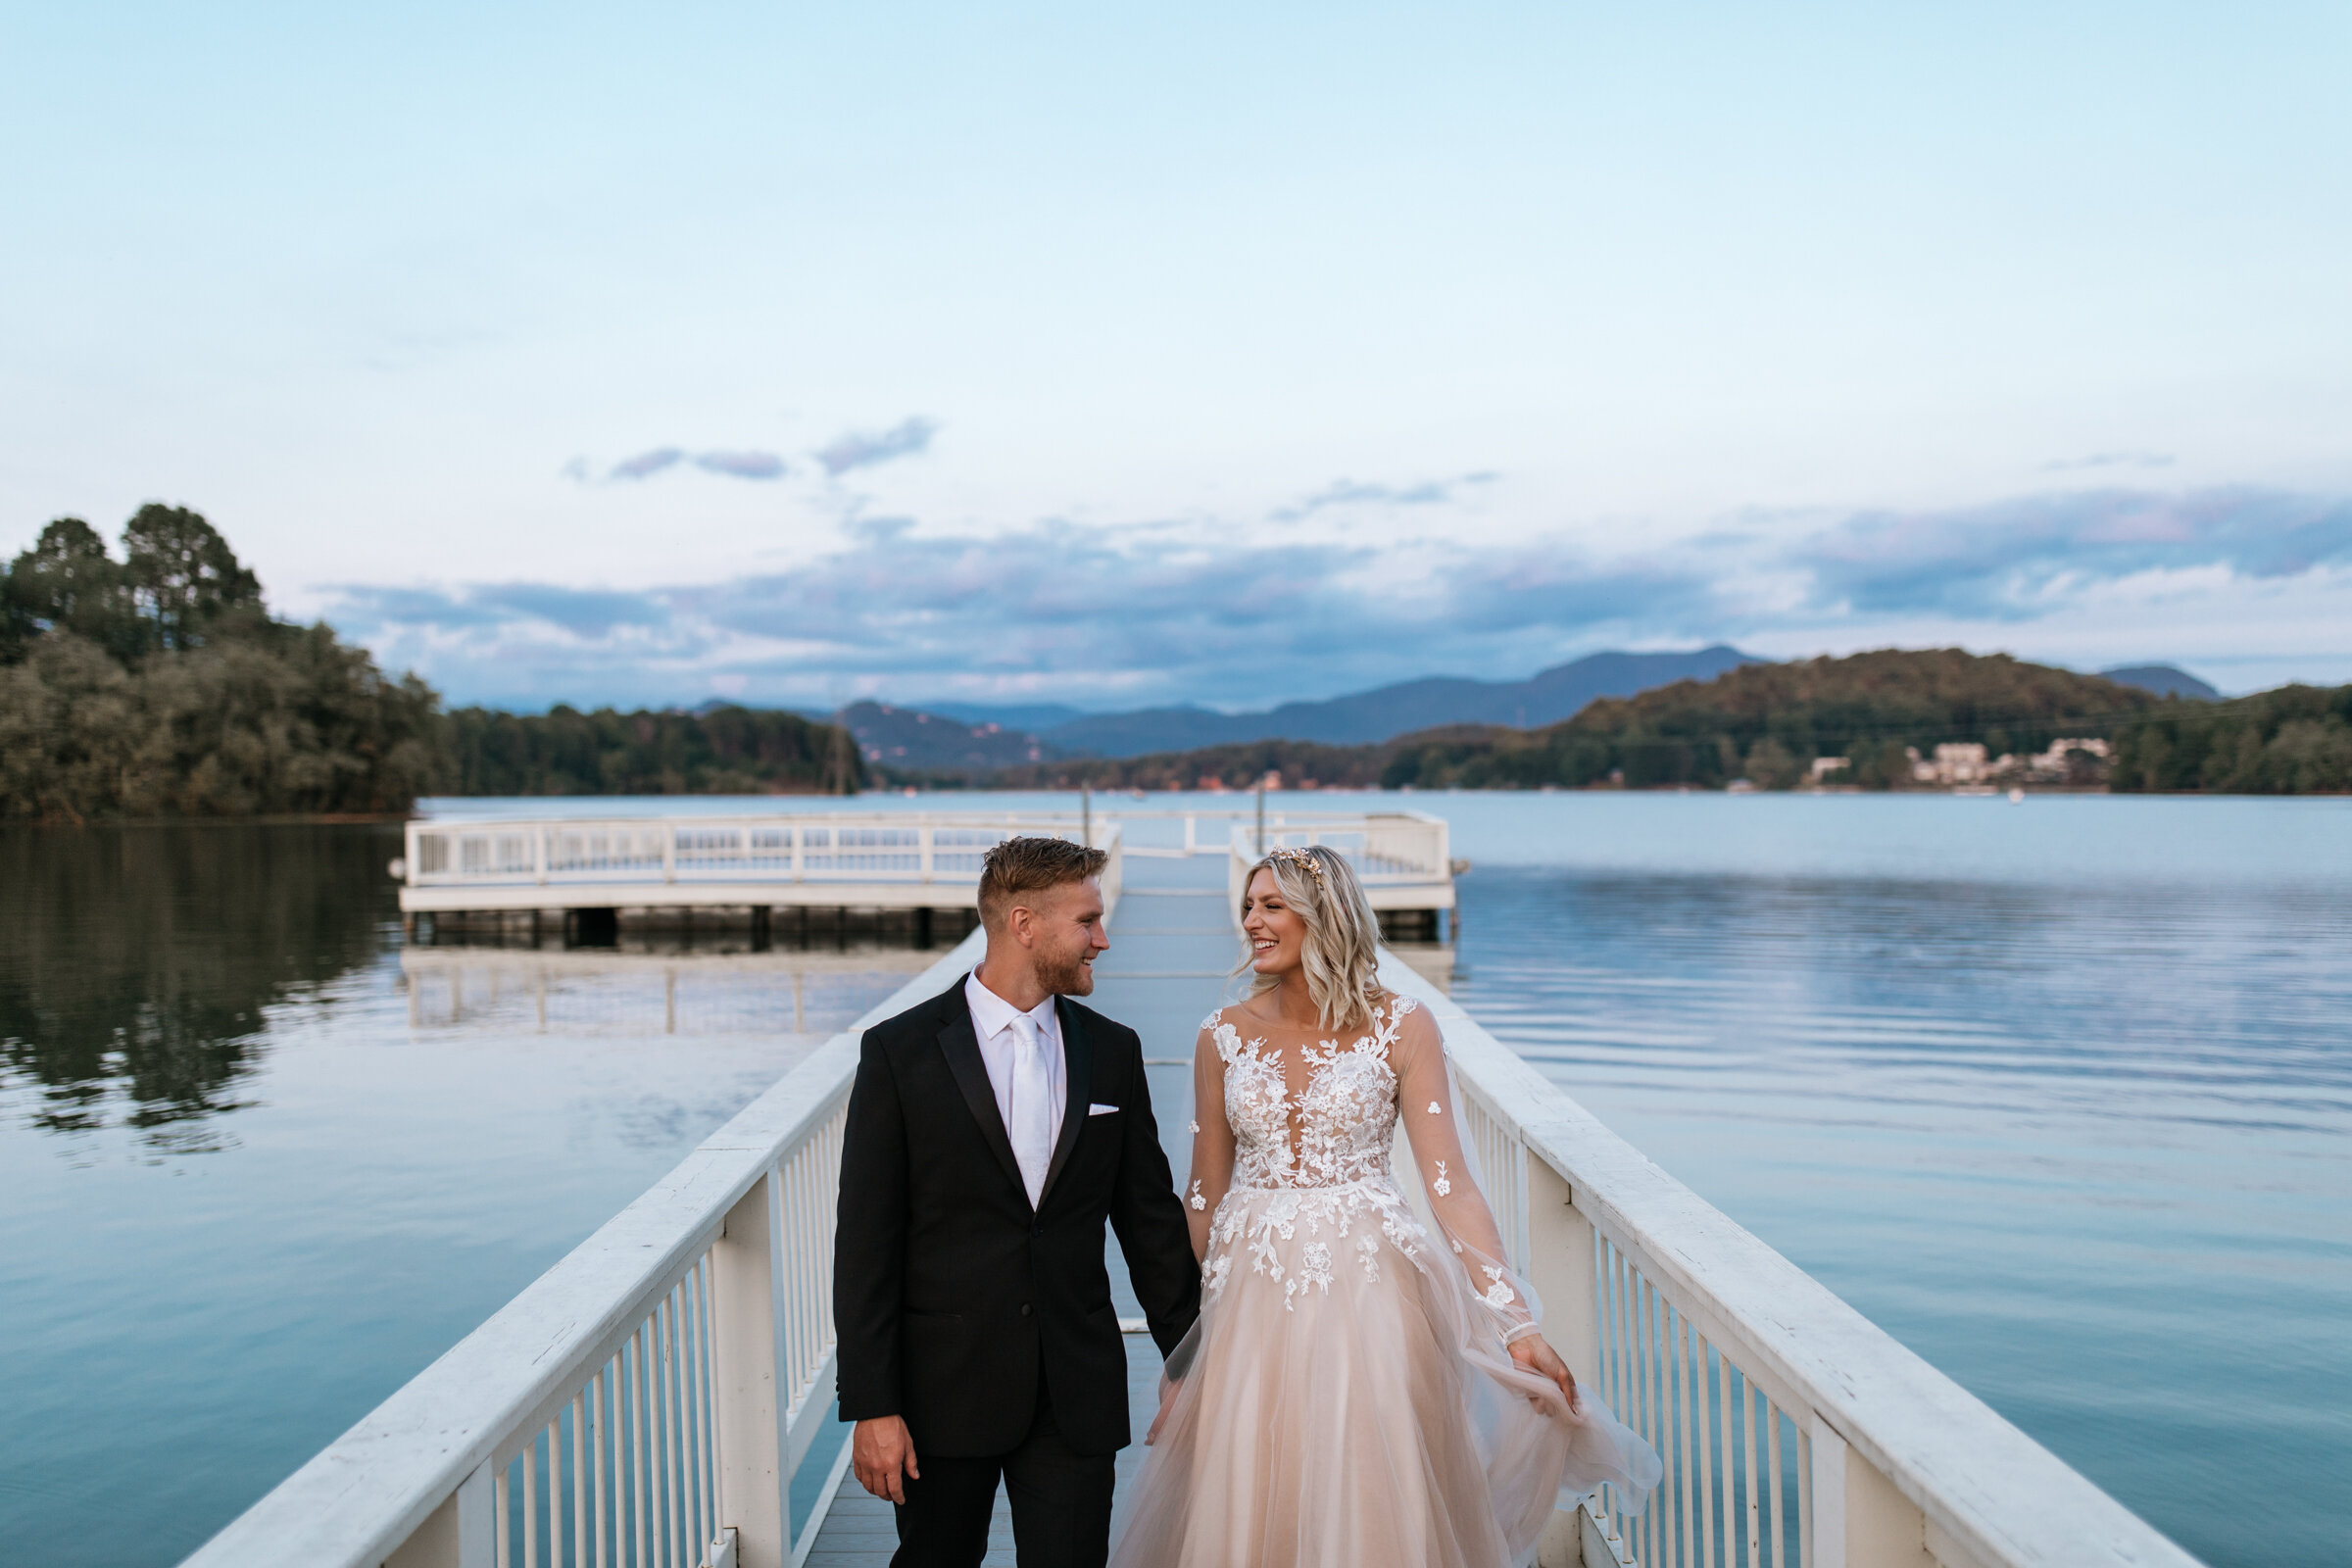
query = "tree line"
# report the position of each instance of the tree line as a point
(2296, 739)
(158, 684)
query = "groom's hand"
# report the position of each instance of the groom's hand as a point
(879, 1451)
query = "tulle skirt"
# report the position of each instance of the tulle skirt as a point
(1345, 1401)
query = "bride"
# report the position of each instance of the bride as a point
(1358, 1391)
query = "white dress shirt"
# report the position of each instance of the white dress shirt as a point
(992, 1021)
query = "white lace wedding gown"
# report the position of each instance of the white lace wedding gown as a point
(1347, 1399)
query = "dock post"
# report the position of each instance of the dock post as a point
(745, 1264)
(761, 914)
(922, 926)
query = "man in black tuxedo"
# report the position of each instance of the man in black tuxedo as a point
(991, 1130)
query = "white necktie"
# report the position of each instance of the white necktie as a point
(1032, 1119)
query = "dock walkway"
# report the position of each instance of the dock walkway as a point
(1171, 943)
(655, 1389)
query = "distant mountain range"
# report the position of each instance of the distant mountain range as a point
(1365, 718)
(971, 740)
(908, 741)
(2164, 680)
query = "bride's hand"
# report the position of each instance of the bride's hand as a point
(1542, 1359)
(1159, 1417)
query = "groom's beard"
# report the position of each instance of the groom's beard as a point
(1067, 978)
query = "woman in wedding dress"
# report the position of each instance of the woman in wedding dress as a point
(1358, 1391)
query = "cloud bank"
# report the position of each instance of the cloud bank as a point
(1148, 615)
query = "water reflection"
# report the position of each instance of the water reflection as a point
(138, 964)
(647, 993)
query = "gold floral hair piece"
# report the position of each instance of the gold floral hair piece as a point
(1300, 860)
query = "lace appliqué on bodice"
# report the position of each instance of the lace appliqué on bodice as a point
(1338, 1174)
(1346, 1111)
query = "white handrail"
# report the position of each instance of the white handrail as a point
(1643, 1279)
(735, 1244)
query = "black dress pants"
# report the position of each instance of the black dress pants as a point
(1061, 1504)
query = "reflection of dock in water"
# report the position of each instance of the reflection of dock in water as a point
(589, 992)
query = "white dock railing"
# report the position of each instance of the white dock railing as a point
(644, 1403)
(893, 861)
(649, 1399)
(1793, 1430)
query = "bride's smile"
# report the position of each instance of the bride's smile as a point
(1277, 935)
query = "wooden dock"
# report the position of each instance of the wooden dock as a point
(1172, 943)
(700, 1314)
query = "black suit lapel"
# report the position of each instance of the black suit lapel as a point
(1078, 1060)
(961, 1047)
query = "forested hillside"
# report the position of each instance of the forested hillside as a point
(160, 684)
(2296, 739)
(1768, 722)
(720, 750)
(1762, 723)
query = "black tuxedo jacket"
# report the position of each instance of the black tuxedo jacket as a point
(951, 1297)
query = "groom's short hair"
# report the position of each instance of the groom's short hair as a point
(1029, 865)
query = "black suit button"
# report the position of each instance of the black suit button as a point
(1024, 1309)
(1040, 1231)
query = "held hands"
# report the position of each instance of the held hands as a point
(1533, 1355)
(879, 1451)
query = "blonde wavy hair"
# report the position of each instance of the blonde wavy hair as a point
(1341, 955)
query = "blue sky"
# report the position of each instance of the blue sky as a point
(794, 354)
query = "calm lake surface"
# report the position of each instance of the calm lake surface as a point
(2059, 1094)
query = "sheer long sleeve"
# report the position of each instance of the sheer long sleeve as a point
(1212, 1142)
(1425, 1100)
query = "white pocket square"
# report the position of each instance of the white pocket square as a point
(1101, 1111)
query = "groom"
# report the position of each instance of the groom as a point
(991, 1132)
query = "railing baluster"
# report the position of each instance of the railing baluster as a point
(682, 1424)
(1682, 1377)
(1646, 1527)
(640, 1397)
(555, 1493)
(1703, 1377)
(600, 1421)
(1804, 1498)
(502, 1512)
(1755, 1513)
(579, 1481)
(1662, 1419)
(710, 1332)
(666, 1548)
(1730, 1485)
(1779, 1529)
(698, 1437)
(531, 1503)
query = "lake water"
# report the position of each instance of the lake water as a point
(2059, 1094)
